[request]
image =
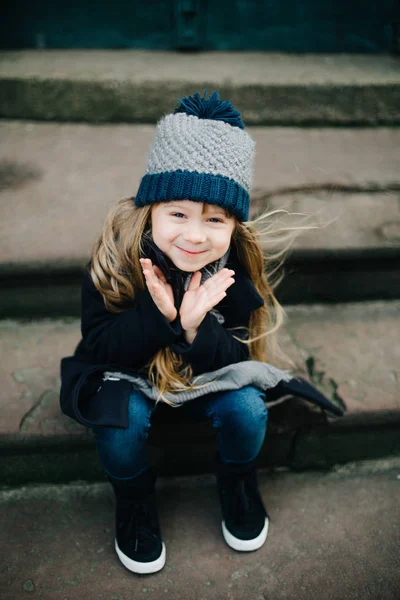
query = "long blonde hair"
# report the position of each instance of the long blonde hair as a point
(117, 274)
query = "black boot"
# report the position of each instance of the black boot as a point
(138, 541)
(244, 517)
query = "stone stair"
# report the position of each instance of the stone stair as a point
(349, 351)
(342, 285)
(56, 189)
(139, 85)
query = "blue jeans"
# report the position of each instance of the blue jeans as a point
(239, 417)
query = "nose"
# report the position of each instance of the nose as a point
(195, 234)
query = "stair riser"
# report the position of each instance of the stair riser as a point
(309, 448)
(122, 102)
(310, 278)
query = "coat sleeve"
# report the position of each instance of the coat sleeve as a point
(214, 347)
(130, 338)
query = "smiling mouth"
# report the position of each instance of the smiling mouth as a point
(191, 253)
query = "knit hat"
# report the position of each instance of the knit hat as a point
(201, 153)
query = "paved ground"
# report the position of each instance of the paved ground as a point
(333, 536)
(57, 183)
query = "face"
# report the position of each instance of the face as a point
(191, 234)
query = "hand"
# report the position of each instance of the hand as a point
(160, 290)
(199, 299)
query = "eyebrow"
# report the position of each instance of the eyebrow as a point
(173, 205)
(217, 211)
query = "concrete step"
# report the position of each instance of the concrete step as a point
(331, 535)
(139, 86)
(351, 352)
(57, 182)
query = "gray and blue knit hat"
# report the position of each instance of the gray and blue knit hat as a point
(200, 153)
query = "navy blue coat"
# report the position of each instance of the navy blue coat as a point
(127, 341)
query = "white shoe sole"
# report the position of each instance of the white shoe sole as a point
(245, 545)
(142, 567)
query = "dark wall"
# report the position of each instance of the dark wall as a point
(273, 25)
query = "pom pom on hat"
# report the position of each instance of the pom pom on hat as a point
(214, 108)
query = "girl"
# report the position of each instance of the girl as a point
(176, 307)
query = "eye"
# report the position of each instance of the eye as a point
(216, 220)
(177, 214)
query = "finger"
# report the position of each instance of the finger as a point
(209, 303)
(211, 291)
(152, 285)
(147, 276)
(218, 298)
(154, 269)
(207, 294)
(151, 279)
(145, 263)
(218, 277)
(146, 268)
(148, 265)
(159, 273)
(195, 281)
(224, 273)
(229, 282)
(219, 286)
(158, 290)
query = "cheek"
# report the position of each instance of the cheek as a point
(157, 234)
(223, 240)
(162, 233)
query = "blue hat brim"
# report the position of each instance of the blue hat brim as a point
(198, 187)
